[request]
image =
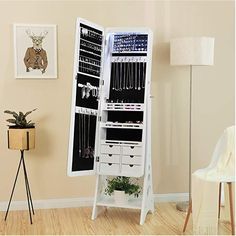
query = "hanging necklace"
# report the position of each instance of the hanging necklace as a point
(124, 75)
(84, 133)
(117, 77)
(87, 151)
(82, 136)
(120, 77)
(143, 74)
(135, 75)
(139, 76)
(131, 85)
(88, 135)
(113, 75)
(79, 133)
(127, 79)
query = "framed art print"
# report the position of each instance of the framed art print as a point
(35, 49)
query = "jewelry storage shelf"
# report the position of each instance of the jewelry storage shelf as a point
(121, 125)
(134, 203)
(118, 142)
(123, 107)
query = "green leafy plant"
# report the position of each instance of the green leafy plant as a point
(122, 183)
(19, 119)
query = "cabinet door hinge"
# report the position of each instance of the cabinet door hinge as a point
(97, 158)
(102, 82)
(99, 118)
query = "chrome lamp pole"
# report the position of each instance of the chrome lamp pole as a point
(183, 206)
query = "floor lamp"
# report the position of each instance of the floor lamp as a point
(191, 51)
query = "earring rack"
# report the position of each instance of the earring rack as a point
(112, 85)
(86, 111)
(87, 89)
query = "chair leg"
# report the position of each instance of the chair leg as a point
(231, 208)
(187, 217)
(219, 201)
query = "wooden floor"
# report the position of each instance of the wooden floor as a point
(165, 220)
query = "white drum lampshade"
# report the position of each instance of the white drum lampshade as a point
(192, 51)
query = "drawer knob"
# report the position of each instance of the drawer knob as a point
(132, 147)
(110, 155)
(109, 164)
(131, 156)
(110, 146)
(131, 165)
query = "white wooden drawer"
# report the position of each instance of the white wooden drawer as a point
(110, 149)
(131, 159)
(132, 150)
(110, 158)
(131, 170)
(109, 168)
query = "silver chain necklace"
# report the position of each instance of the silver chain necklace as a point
(143, 74)
(128, 75)
(114, 75)
(139, 76)
(124, 75)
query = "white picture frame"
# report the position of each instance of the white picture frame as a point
(35, 51)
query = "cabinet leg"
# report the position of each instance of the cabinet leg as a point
(143, 216)
(97, 210)
(94, 214)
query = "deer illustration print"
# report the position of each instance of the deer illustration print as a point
(36, 57)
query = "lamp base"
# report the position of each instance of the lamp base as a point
(182, 206)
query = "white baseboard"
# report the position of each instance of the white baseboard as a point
(49, 204)
(82, 202)
(171, 197)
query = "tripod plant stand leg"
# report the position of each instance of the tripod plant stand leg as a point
(14, 185)
(28, 187)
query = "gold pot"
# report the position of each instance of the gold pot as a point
(21, 139)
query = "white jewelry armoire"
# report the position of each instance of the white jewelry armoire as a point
(110, 130)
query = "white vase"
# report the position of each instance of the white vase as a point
(120, 197)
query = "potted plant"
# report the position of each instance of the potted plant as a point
(21, 134)
(122, 186)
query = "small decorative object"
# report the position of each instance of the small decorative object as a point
(35, 51)
(21, 134)
(122, 187)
